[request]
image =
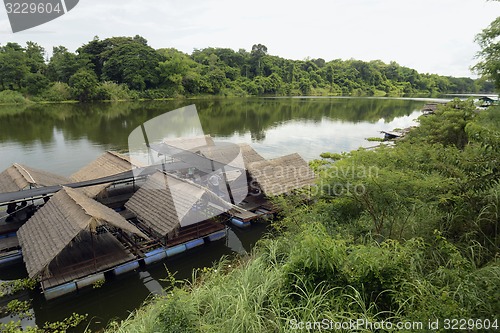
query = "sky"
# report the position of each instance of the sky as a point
(431, 36)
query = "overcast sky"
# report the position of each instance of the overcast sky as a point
(431, 36)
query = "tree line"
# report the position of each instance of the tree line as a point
(119, 68)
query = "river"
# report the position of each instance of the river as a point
(62, 138)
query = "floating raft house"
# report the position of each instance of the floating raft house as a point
(19, 177)
(227, 154)
(239, 158)
(429, 108)
(77, 236)
(391, 135)
(168, 206)
(281, 175)
(190, 143)
(108, 164)
(73, 236)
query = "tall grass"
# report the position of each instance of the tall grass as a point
(313, 277)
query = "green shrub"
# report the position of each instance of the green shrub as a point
(57, 92)
(110, 91)
(157, 93)
(176, 315)
(11, 97)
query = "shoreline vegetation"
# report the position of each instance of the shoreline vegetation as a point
(416, 243)
(127, 68)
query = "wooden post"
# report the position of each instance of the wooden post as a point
(93, 249)
(228, 188)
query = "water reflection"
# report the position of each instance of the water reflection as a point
(64, 137)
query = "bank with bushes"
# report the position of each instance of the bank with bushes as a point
(127, 68)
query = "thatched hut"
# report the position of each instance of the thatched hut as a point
(227, 153)
(281, 175)
(166, 203)
(429, 108)
(108, 164)
(237, 157)
(19, 177)
(70, 237)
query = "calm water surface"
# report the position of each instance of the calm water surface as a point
(64, 138)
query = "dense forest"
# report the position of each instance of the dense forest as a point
(121, 68)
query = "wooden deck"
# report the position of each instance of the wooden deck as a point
(243, 214)
(9, 227)
(251, 203)
(117, 197)
(78, 261)
(198, 230)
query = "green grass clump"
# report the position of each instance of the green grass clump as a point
(375, 139)
(11, 97)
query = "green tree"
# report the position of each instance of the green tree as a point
(13, 66)
(84, 85)
(489, 41)
(216, 79)
(132, 63)
(257, 54)
(63, 64)
(35, 57)
(93, 51)
(178, 72)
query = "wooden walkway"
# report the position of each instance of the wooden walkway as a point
(198, 230)
(9, 227)
(8, 243)
(245, 209)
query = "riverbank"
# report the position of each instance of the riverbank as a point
(413, 245)
(12, 98)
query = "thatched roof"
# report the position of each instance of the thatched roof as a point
(165, 203)
(59, 221)
(108, 164)
(430, 107)
(226, 154)
(17, 177)
(281, 175)
(190, 142)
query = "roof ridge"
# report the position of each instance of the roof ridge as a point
(119, 155)
(19, 166)
(65, 189)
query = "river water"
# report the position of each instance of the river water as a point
(63, 138)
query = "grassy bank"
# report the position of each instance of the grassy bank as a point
(405, 234)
